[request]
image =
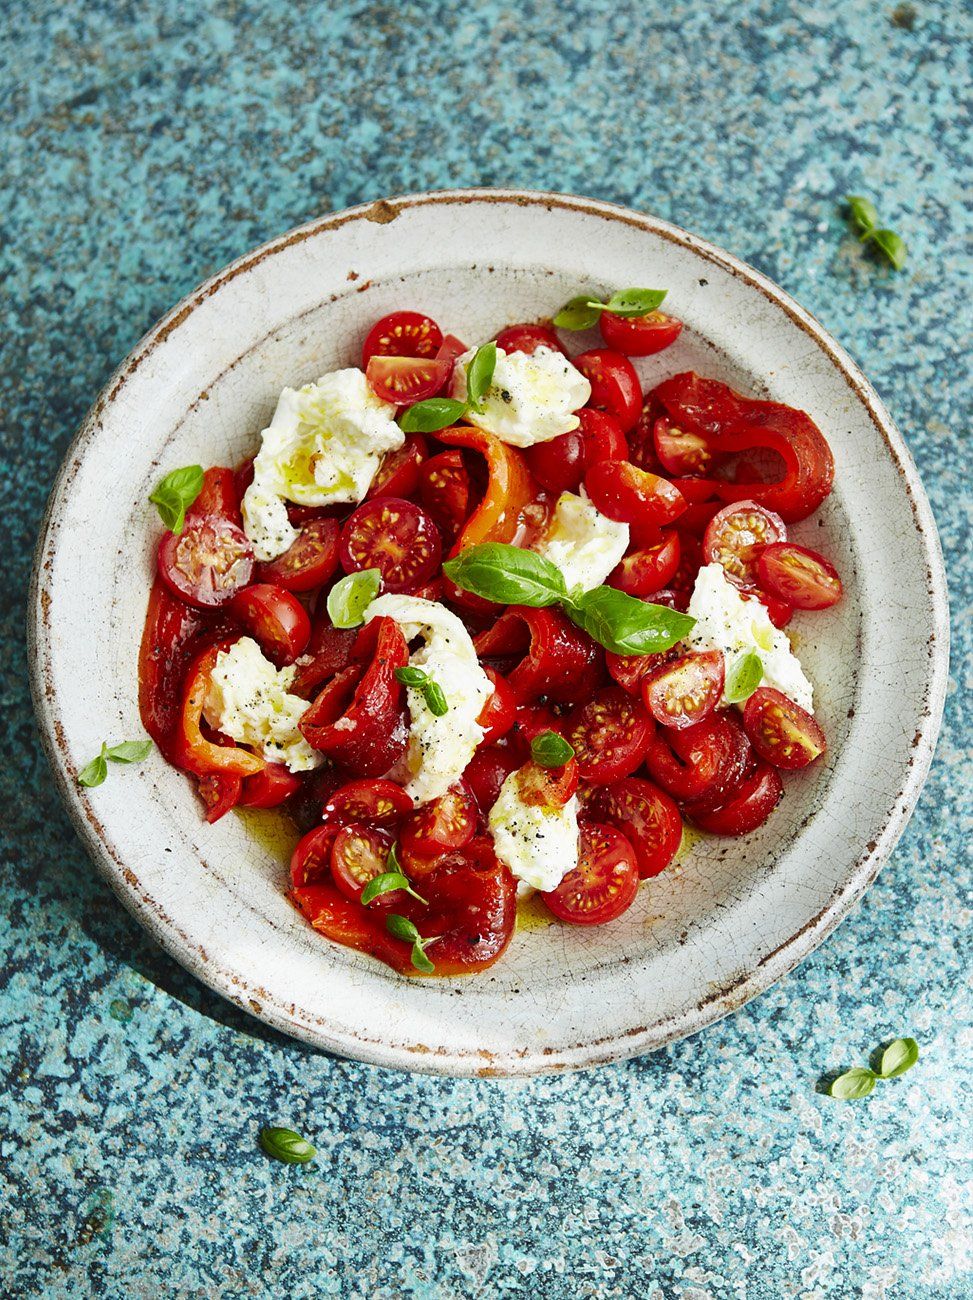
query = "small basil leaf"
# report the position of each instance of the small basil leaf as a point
(550, 750)
(853, 1084)
(176, 493)
(508, 575)
(432, 415)
(410, 676)
(891, 245)
(743, 678)
(436, 701)
(286, 1145)
(392, 862)
(94, 773)
(898, 1057)
(862, 211)
(351, 596)
(625, 625)
(479, 375)
(129, 751)
(384, 884)
(402, 928)
(578, 314)
(420, 960)
(635, 302)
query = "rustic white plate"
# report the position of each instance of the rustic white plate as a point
(726, 921)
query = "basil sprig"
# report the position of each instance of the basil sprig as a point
(900, 1055)
(129, 751)
(437, 413)
(743, 678)
(583, 311)
(351, 596)
(550, 749)
(509, 575)
(286, 1145)
(432, 692)
(391, 879)
(891, 245)
(402, 928)
(176, 493)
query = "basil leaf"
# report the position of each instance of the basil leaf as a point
(626, 625)
(176, 493)
(94, 773)
(508, 575)
(402, 928)
(432, 415)
(420, 960)
(410, 676)
(129, 751)
(435, 699)
(578, 314)
(862, 211)
(853, 1084)
(479, 375)
(635, 302)
(392, 862)
(891, 245)
(550, 750)
(743, 678)
(383, 884)
(351, 596)
(286, 1145)
(898, 1057)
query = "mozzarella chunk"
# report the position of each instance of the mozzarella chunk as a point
(728, 621)
(531, 399)
(323, 445)
(439, 748)
(539, 844)
(248, 701)
(584, 544)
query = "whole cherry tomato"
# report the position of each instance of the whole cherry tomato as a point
(528, 338)
(614, 383)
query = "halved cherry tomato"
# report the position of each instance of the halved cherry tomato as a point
(781, 731)
(750, 806)
(604, 883)
(631, 495)
(559, 465)
(207, 563)
(641, 446)
(379, 801)
(275, 618)
(639, 336)
(648, 569)
(311, 860)
(690, 558)
(394, 536)
(193, 750)
(798, 575)
(402, 334)
(681, 451)
(219, 495)
(778, 611)
(528, 338)
(398, 474)
(446, 823)
(311, 560)
(404, 380)
(270, 788)
(558, 660)
(328, 652)
(646, 816)
(735, 537)
(707, 761)
(547, 787)
(446, 492)
(630, 670)
(498, 714)
(614, 383)
(358, 855)
(487, 770)
(684, 692)
(221, 791)
(530, 721)
(610, 733)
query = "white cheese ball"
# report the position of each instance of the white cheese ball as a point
(539, 844)
(584, 544)
(531, 399)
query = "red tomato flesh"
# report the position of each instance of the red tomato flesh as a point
(275, 618)
(798, 575)
(528, 338)
(681, 451)
(446, 492)
(405, 380)
(736, 536)
(500, 711)
(604, 883)
(207, 563)
(684, 692)
(646, 816)
(398, 474)
(781, 731)
(448, 822)
(631, 495)
(706, 761)
(368, 800)
(394, 536)
(547, 787)
(311, 860)
(610, 734)
(749, 807)
(309, 562)
(402, 334)
(358, 855)
(270, 788)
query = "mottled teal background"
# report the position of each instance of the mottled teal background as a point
(146, 144)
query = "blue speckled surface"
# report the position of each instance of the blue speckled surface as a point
(147, 144)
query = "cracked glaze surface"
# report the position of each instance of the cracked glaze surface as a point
(711, 1168)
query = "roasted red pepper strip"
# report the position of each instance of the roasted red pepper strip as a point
(559, 660)
(510, 487)
(193, 751)
(733, 423)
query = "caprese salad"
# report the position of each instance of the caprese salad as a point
(490, 620)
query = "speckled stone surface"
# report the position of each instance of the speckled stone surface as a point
(147, 144)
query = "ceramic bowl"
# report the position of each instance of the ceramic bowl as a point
(731, 916)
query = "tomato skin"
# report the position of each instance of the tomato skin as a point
(439, 826)
(309, 562)
(311, 859)
(604, 883)
(377, 801)
(220, 495)
(498, 714)
(631, 495)
(276, 619)
(798, 575)
(641, 445)
(402, 334)
(191, 749)
(270, 788)
(648, 569)
(639, 336)
(398, 474)
(207, 563)
(781, 732)
(486, 772)
(646, 816)
(559, 465)
(221, 791)
(778, 611)
(687, 690)
(394, 536)
(359, 854)
(735, 537)
(548, 787)
(405, 380)
(446, 493)
(681, 451)
(348, 923)
(610, 733)
(560, 660)
(451, 348)
(750, 806)
(705, 761)
(615, 386)
(528, 338)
